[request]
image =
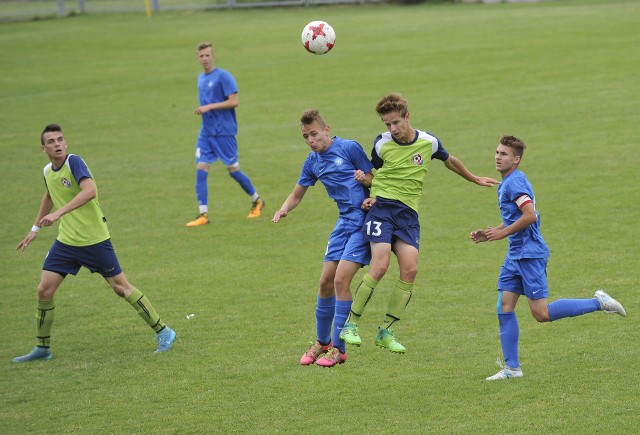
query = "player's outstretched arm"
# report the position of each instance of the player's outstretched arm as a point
(454, 164)
(292, 201)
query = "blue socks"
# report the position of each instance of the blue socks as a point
(244, 181)
(509, 334)
(330, 312)
(202, 190)
(342, 312)
(572, 307)
(510, 331)
(324, 318)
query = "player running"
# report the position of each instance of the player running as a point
(524, 271)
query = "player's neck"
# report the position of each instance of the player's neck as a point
(509, 172)
(57, 162)
(408, 137)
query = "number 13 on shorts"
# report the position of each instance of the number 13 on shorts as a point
(373, 228)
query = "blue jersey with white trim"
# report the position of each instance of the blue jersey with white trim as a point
(527, 243)
(215, 87)
(334, 168)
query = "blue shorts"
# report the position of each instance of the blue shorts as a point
(347, 243)
(211, 148)
(527, 276)
(65, 259)
(389, 219)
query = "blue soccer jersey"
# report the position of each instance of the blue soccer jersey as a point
(216, 87)
(527, 243)
(334, 168)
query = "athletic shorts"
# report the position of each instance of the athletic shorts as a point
(347, 243)
(65, 259)
(389, 219)
(211, 148)
(527, 276)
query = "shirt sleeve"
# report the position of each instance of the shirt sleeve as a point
(229, 85)
(78, 168)
(519, 192)
(307, 176)
(375, 158)
(441, 153)
(359, 158)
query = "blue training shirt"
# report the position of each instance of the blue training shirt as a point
(334, 168)
(527, 243)
(216, 87)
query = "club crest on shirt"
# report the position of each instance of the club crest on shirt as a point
(416, 159)
(66, 183)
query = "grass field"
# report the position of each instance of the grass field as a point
(562, 75)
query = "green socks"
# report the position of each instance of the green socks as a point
(46, 309)
(364, 291)
(398, 301)
(44, 317)
(144, 308)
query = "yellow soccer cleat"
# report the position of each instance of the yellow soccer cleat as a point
(202, 219)
(256, 208)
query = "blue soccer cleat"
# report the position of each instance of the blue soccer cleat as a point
(35, 354)
(165, 338)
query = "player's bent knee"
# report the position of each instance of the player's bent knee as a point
(377, 272)
(409, 275)
(541, 316)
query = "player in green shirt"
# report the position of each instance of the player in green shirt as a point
(83, 240)
(401, 156)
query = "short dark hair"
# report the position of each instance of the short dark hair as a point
(514, 143)
(204, 45)
(308, 116)
(392, 103)
(49, 128)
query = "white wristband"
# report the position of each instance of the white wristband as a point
(35, 228)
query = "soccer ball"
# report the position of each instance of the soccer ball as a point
(318, 37)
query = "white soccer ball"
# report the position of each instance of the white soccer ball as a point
(318, 37)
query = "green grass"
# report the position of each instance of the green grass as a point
(562, 75)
